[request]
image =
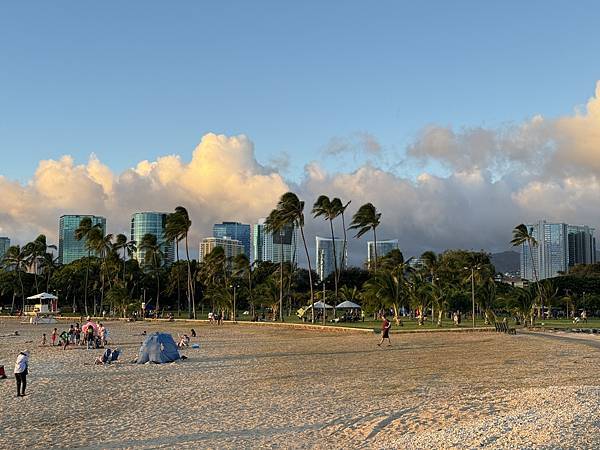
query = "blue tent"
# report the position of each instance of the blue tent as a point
(158, 348)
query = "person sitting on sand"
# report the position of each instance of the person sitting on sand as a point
(193, 332)
(184, 341)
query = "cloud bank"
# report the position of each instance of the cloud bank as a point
(494, 179)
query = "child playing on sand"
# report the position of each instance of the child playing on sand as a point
(43, 339)
(54, 336)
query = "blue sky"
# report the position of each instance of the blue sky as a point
(134, 80)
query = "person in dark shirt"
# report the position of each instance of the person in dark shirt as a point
(385, 330)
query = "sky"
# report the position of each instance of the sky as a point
(458, 120)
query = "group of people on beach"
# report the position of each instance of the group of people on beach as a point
(90, 335)
(216, 318)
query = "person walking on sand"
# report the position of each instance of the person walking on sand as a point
(44, 339)
(385, 330)
(53, 336)
(21, 370)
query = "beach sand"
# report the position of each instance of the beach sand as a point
(250, 386)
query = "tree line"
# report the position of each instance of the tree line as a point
(109, 279)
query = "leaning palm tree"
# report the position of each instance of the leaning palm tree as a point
(326, 208)
(365, 219)
(341, 209)
(291, 210)
(177, 229)
(521, 237)
(35, 252)
(83, 232)
(275, 224)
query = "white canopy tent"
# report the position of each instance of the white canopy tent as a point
(348, 305)
(43, 296)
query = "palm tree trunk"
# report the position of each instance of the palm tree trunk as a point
(343, 264)
(335, 267)
(191, 294)
(375, 250)
(280, 278)
(310, 280)
(157, 284)
(85, 288)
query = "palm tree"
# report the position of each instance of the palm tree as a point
(128, 247)
(275, 224)
(243, 269)
(326, 208)
(177, 228)
(389, 288)
(15, 259)
(103, 246)
(83, 231)
(290, 210)
(341, 209)
(35, 252)
(153, 257)
(521, 237)
(365, 219)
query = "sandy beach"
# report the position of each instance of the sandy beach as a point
(270, 387)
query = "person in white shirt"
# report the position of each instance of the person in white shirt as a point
(21, 369)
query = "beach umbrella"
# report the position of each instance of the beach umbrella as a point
(94, 325)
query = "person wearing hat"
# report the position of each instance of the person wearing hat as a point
(21, 367)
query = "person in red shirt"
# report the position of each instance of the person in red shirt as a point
(385, 331)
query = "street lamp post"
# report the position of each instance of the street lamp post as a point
(324, 310)
(473, 288)
(234, 286)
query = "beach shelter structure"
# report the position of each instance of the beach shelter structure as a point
(319, 305)
(348, 305)
(44, 310)
(88, 324)
(158, 348)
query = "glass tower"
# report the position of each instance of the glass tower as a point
(151, 223)
(324, 256)
(383, 248)
(274, 247)
(4, 244)
(559, 246)
(69, 248)
(234, 230)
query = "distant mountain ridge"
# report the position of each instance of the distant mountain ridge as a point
(508, 261)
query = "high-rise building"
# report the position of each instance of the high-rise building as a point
(4, 244)
(231, 248)
(69, 248)
(559, 246)
(234, 230)
(274, 247)
(324, 256)
(383, 248)
(151, 222)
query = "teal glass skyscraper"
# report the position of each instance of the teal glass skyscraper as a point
(151, 223)
(69, 248)
(234, 230)
(4, 244)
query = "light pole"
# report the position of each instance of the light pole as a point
(324, 310)
(473, 288)
(234, 286)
